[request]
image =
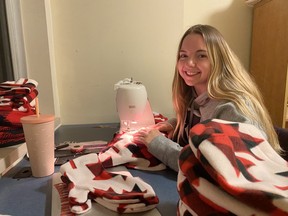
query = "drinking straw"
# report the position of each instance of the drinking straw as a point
(37, 106)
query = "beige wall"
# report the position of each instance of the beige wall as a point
(98, 43)
(232, 17)
(78, 50)
(39, 53)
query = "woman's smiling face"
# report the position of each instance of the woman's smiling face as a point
(193, 63)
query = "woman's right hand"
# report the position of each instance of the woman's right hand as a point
(166, 128)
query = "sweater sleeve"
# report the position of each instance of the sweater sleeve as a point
(166, 151)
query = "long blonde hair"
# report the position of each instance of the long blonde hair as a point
(228, 81)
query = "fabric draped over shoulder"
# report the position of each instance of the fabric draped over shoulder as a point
(230, 168)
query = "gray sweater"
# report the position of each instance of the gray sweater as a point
(168, 151)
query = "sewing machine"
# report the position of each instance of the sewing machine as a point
(133, 105)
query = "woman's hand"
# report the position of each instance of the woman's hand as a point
(165, 128)
(146, 135)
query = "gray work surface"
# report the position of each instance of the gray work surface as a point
(33, 196)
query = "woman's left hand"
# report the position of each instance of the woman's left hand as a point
(146, 135)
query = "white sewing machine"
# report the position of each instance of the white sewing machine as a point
(133, 106)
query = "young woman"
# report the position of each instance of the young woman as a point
(209, 82)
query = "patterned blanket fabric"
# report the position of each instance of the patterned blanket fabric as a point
(122, 150)
(17, 95)
(229, 168)
(16, 101)
(88, 178)
(116, 190)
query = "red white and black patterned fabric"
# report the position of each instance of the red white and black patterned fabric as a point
(229, 168)
(16, 101)
(88, 179)
(123, 151)
(158, 117)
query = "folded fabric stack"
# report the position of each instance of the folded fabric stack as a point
(118, 191)
(16, 101)
(229, 168)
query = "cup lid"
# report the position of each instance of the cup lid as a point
(33, 119)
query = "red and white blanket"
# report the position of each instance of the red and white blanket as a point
(123, 151)
(16, 101)
(230, 169)
(88, 178)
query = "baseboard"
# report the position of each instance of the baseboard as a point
(57, 123)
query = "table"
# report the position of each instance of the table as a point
(32, 196)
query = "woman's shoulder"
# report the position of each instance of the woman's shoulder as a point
(222, 109)
(229, 111)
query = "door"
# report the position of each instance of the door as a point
(269, 55)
